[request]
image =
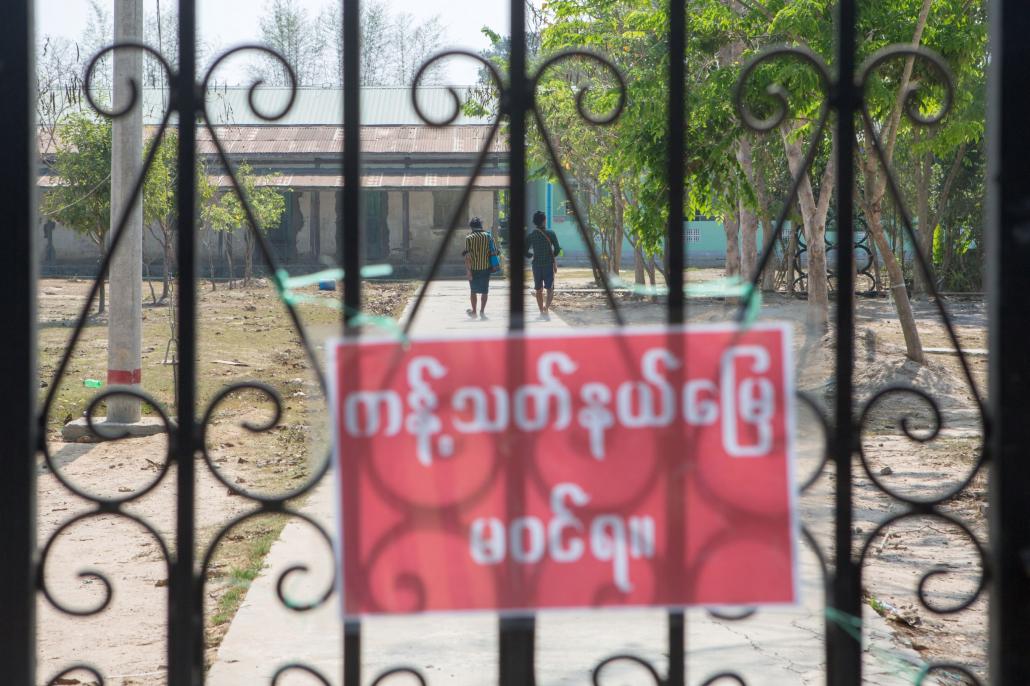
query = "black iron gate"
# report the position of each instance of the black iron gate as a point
(1006, 566)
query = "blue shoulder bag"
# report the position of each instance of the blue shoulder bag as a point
(495, 259)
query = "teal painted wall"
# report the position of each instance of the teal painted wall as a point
(704, 241)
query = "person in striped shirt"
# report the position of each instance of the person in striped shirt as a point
(478, 248)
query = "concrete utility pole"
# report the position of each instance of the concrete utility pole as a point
(125, 326)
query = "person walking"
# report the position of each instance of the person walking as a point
(478, 249)
(542, 246)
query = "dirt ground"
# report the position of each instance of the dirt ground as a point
(900, 554)
(244, 334)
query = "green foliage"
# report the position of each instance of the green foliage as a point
(81, 200)
(159, 198)
(629, 157)
(228, 213)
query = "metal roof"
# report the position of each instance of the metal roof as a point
(380, 106)
(385, 180)
(328, 140)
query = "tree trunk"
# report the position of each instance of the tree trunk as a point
(618, 202)
(98, 239)
(942, 202)
(210, 259)
(875, 188)
(638, 266)
(748, 243)
(913, 346)
(649, 267)
(168, 257)
(248, 258)
(229, 261)
(769, 241)
(925, 226)
(731, 224)
(813, 217)
(748, 219)
(873, 204)
(790, 260)
(873, 252)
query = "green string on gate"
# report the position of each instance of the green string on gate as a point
(898, 665)
(285, 285)
(370, 271)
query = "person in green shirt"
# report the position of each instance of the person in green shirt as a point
(542, 246)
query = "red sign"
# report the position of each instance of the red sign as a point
(599, 468)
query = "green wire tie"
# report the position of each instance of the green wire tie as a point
(853, 627)
(284, 285)
(371, 271)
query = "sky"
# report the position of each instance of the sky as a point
(225, 23)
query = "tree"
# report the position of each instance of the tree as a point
(376, 43)
(287, 28)
(957, 30)
(727, 168)
(81, 200)
(228, 214)
(632, 150)
(160, 208)
(954, 28)
(58, 90)
(160, 32)
(96, 36)
(412, 42)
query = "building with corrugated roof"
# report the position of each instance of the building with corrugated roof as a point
(414, 175)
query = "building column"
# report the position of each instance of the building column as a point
(406, 212)
(315, 220)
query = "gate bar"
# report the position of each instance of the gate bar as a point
(519, 100)
(350, 233)
(844, 652)
(517, 641)
(185, 601)
(18, 363)
(1008, 436)
(676, 177)
(351, 161)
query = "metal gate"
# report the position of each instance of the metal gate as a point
(1006, 561)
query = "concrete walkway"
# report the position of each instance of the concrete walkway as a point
(783, 646)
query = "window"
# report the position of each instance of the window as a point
(444, 205)
(693, 235)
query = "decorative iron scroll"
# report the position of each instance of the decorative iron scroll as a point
(265, 504)
(915, 508)
(865, 267)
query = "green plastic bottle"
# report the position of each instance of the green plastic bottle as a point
(92, 383)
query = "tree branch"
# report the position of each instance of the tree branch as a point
(942, 200)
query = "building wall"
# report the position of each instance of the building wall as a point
(424, 235)
(704, 241)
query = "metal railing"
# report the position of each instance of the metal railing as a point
(22, 574)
